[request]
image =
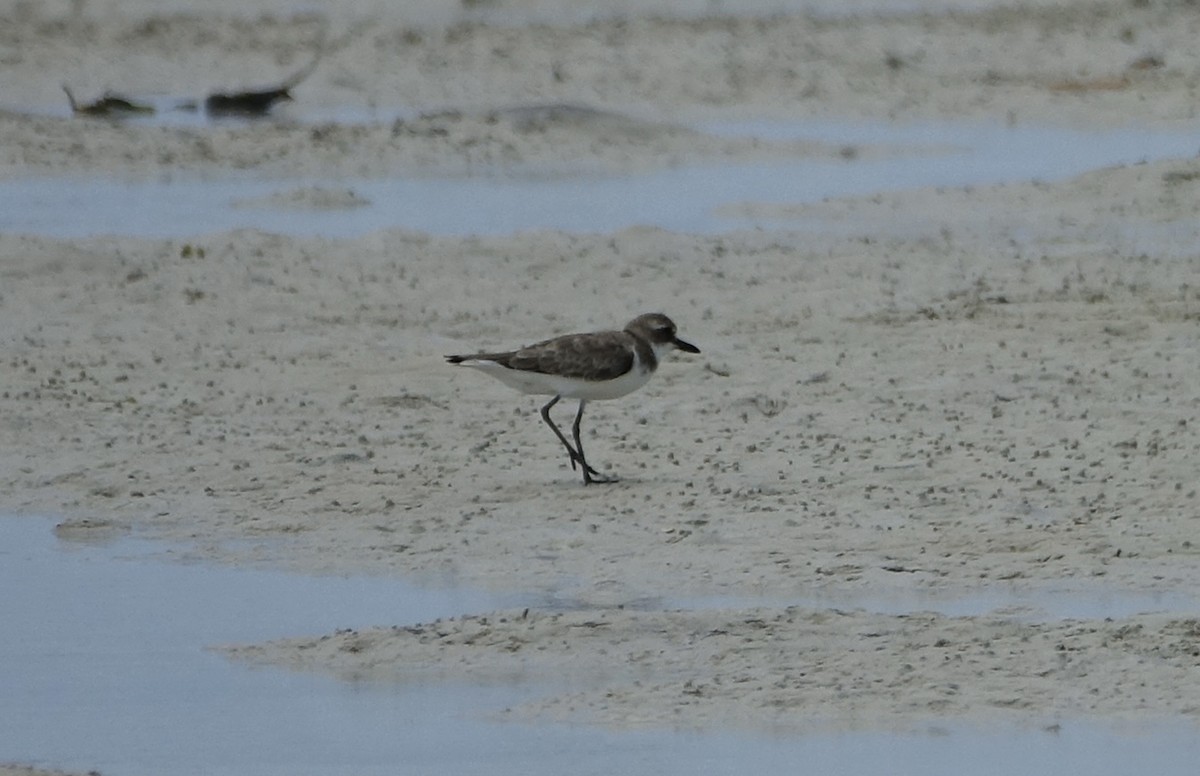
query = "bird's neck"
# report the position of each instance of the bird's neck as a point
(647, 354)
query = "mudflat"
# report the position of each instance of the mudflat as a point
(936, 394)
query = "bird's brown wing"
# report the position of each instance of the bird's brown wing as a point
(598, 356)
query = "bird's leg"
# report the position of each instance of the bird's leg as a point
(590, 475)
(562, 438)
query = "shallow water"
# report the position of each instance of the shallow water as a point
(685, 199)
(102, 665)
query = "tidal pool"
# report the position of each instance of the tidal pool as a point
(685, 199)
(103, 666)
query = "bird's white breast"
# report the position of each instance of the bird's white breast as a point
(539, 383)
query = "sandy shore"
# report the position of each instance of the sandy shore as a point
(783, 669)
(938, 392)
(412, 87)
(25, 770)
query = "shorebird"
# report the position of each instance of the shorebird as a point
(590, 367)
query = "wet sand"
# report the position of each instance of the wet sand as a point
(25, 770)
(942, 391)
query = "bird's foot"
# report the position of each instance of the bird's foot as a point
(590, 475)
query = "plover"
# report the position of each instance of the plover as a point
(589, 367)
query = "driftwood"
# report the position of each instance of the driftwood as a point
(249, 104)
(257, 102)
(110, 105)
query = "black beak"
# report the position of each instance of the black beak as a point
(686, 347)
